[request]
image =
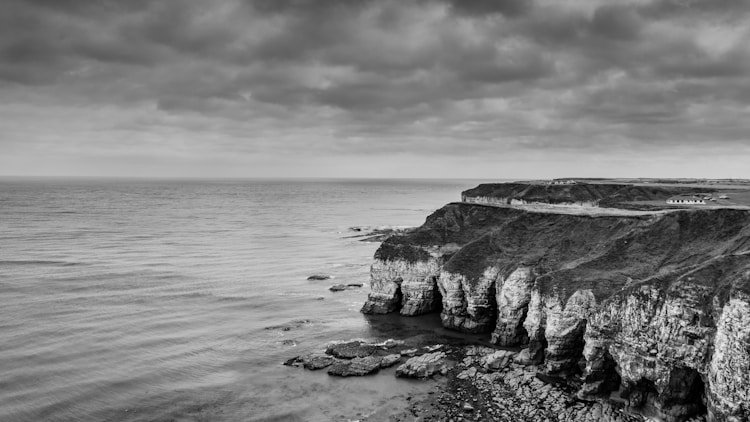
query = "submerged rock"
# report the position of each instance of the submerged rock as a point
(337, 287)
(319, 277)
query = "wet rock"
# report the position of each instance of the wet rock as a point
(351, 349)
(337, 287)
(391, 343)
(423, 366)
(390, 360)
(355, 367)
(295, 361)
(319, 277)
(318, 361)
(355, 285)
(297, 323)
(312, 361)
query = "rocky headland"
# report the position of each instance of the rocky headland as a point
(624, 313)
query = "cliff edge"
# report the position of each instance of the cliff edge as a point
(652, 310)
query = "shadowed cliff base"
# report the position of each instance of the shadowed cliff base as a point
(649, 308)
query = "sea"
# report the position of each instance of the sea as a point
(178, 300)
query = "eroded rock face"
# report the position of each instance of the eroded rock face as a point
(468, 306)
(513, 297)
(564, 331)
(662, 339)
(729, 370)
(401, 285)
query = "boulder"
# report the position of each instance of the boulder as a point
(390, 360)
(351, 349)
(312, 361)
(356, 367)
(498, 360)
(423, 366)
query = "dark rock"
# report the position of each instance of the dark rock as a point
(295, 361)
(318, 361)
(312, 361)
(297, 323)
(355, 285)
(337, 288)
(319, 277)
(355, 367)
(351, 349)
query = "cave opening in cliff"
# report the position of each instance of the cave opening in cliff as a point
(684, 396)
(398, 299)
(437, 297)
(641, 395)
(492, 302)
(605, 378)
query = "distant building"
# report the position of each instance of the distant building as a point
(687, 200)
(562, 182)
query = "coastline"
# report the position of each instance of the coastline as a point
(620, 314)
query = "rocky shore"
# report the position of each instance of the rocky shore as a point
(472, 383)
(592, 316)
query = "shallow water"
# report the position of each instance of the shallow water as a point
(135, 300)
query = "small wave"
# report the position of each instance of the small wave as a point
(39, 262)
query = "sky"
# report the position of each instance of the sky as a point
(492, 89)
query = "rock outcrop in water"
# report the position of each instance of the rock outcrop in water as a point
(650, 309)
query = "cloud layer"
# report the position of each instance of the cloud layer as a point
(407, 88)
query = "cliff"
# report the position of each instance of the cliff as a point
(579, 194)
(650, 309)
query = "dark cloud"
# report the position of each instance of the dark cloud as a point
(364, 74)
(509, 8)
(616, 21)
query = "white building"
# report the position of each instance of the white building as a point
(562, 182)
(686, 200)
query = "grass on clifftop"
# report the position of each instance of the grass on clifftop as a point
(603, 253)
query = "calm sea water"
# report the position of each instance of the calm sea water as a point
(125, 300)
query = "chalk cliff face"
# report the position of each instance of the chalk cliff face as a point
(653, 309)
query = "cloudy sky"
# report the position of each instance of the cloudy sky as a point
(375, 88)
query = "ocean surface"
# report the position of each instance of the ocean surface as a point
(178, 300)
